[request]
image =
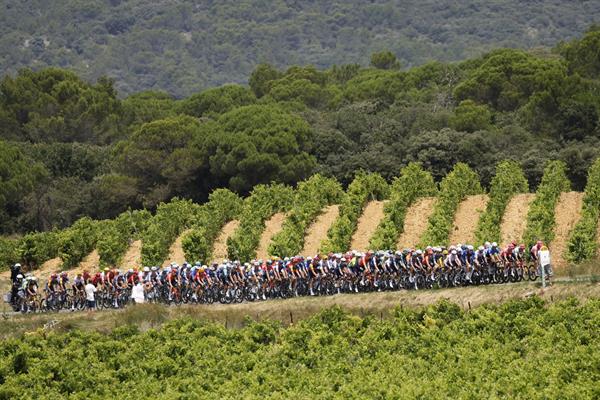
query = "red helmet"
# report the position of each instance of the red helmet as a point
(53, 275)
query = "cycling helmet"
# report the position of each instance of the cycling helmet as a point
(64, 273)
(33, 278)
(453, 251)
(153, 269)
(19, 276)
(17, 265)
(286, 259)
(494, 244)
(445, 252)
(480, 248)
(309, 258)
(487, 244)
(146, 269)
(469, 247)
(106, 269)
(130, 270)
(419, 252)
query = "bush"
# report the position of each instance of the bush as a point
(461, 182)
(311, 197)
(37, 247)
(540, 217)
(263, 202)
(116, 237)
(8, 252)
(223, 205)
(364, 187)
(412, 184)
(583, 244)
(77, 241)
(169, 221)
(508, 181)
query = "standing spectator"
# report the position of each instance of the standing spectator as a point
(90, 291)
(137, 293)
(543, 256)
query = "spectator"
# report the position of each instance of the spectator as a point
(90, 291)
(543, 256)
(137, 293)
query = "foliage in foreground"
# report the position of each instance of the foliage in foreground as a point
(583, 244)
(522, 349)
(508, 181)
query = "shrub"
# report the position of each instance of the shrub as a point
(412, 184)
(364, 187)
(77, 241)
(115, 239)
(311, 197)
(8, 252)
(37, 247)
(223, 205)
(169, 221)
(508, 181)
(461, 182)
(263, 202)
(540, 217)
(583, 243)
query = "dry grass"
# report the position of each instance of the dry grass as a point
(514, 219)
(367, 224)
(466, 218)
(292, 310)
(415, 222)
(220, 245)
(317, 232)
(566, 214)
(272, 226)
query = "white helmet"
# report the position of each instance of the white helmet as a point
(480, 248)
(454, 252)
(153, 269)
(17, 265)
(19, 276)
(146, 269)
(487, 244)
(419, 252)
(469, 247)
(130, 270)
(494, 244)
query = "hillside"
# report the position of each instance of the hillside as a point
(61, 135)
(182, 47)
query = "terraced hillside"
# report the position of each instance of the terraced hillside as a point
(519, 218)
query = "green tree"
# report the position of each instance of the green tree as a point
(385, 60)
(259, 144)
(470, 117)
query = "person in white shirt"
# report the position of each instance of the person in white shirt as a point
(137, 293)
(90, 297)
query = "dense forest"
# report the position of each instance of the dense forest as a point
(522, 349)
(183, 47)
(70, 148)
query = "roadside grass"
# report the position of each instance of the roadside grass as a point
(377, 305)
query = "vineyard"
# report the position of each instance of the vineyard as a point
(521, 349)
(318, 216)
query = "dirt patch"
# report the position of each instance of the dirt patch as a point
(50, 266)
(133, 256)
(415, 222)
(176, 253)
(367, 224)
(566, 214)
(317, 232)
(90, 263)
(220, 246)
(514, 220)
(466, 218)
(272, 226)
